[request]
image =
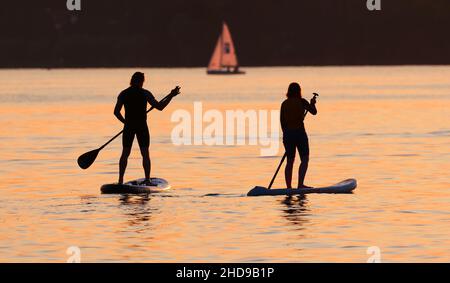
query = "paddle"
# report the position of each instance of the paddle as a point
(285, 155)
(85, 161)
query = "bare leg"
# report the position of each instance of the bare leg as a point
(146, 162)
(302, 171)
(123, 163)
(288, 172)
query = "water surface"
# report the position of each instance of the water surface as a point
(388, 127)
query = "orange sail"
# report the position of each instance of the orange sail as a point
(224, 59)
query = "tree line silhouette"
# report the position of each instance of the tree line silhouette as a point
(171, 33)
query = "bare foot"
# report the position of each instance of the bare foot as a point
(304, 187)
(149, 182)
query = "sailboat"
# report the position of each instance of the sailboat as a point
(224, 60)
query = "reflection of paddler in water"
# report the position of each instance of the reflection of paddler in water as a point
(296, 209)
(137, 208)
(135, 99)
(293, 111)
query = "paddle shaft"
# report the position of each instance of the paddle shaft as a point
(278, 169)
(284, 156)
(113, 138)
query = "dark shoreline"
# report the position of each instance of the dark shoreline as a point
(178, 33)
(200, 67)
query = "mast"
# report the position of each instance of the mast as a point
(221, 45)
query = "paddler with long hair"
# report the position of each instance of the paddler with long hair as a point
(292, 114)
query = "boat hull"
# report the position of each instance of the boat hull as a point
(219, 72)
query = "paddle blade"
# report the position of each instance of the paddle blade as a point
(86, 160)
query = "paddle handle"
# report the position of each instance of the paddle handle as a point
(113, 138)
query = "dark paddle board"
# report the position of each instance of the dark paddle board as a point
(136, 187)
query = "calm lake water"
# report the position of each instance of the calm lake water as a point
(388, 127)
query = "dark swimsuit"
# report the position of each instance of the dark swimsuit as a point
(294, 133)
(141, 132)
(135, 101)
(295, 139)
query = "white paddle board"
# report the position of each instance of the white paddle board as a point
(344, 187)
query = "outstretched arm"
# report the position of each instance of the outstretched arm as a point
(117, 110)
(160, 105)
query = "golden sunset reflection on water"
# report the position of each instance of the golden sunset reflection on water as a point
(388, 127)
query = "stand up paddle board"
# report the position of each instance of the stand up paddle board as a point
(344, 187)
(136, 187)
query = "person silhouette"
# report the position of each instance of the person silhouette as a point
(292, 114)
(135, 99)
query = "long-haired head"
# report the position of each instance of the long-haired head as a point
(137, 80)
(294, 90)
